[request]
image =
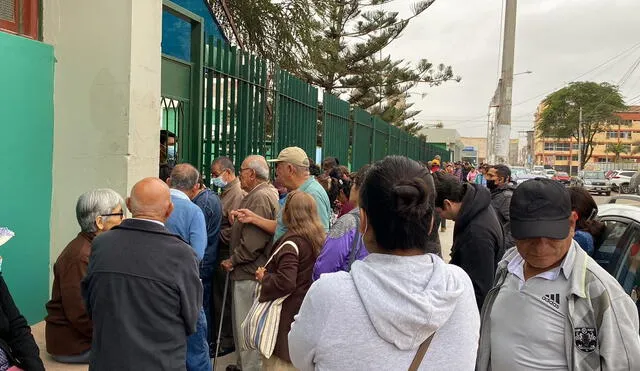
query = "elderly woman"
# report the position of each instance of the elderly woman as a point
(18, 349)
(68, 328)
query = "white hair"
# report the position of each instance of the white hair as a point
(95, 203)
(260, 167)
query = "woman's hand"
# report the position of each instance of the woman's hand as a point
(260, 273)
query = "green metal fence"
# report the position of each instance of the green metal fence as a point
(297, 113)
(336, 127)
(253, 107)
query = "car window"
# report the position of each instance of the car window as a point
(627, 173)
(610, 251)
(629, 273)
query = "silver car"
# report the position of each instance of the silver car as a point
(593, 181)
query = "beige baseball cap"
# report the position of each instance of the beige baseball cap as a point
(293, 155)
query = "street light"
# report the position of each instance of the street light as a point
(523, 73)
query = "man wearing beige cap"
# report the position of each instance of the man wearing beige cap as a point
(292, 170)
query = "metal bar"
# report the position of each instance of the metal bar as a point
(208, 134)
(224, 104)
(180, 12)
(234, 101)
(196, 105)
(219, 51)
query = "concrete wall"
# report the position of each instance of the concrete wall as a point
(107, 100)
(26, 93)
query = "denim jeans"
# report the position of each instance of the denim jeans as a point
(206, 276)
(198, 346)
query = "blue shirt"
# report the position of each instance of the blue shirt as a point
(585, 240)
(313, 188)
(209, 202)
(187, 221)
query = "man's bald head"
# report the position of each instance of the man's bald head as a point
(150, 199)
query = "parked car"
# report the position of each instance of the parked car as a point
(620, 181)
(550, 173)
(593, 181)
(562, 177)
(517, 172)
(524, 177)
(634, 183)
(618, 251)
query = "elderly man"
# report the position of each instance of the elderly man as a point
(576, 315)
(223, 176)
(187, 221)
(142, 288)
(251, 247)
(292, 171)
(68, 327)
(209, 202)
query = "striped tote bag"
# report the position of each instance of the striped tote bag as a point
(260, 327)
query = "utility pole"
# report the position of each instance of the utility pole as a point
(502, 133)
(579, 140)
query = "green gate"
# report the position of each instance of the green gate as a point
(362, 137)
(181, 91)
(235, 103)
(380, 134)
(336, 122)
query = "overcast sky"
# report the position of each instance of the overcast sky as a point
(556, 39)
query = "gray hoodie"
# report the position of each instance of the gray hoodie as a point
(376, 316)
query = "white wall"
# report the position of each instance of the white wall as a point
(106, 100)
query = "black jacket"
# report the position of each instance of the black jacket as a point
(500, 200)
(15, 334)
(478, 240)
(143, 293)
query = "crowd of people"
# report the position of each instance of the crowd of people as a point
(353, 263)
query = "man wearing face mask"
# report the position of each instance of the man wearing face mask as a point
(498, 181)
(478, 239)
(224, 177)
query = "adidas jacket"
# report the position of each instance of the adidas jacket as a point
(602, 332)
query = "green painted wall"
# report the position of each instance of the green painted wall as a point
(26, 124)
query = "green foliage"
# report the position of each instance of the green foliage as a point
(617, 149)
(560, 115)
(337, 46)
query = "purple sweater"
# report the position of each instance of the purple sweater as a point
(337, 247)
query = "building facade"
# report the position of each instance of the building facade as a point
(562, 153)
(81, 92)
(446, 138)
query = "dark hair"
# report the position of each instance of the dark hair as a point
(397, 195)
(225, 163)
(314, 169)
(586, 208)
(448, 187)
(331, 161)
(166, 134)
(165, 172)
(503, 171)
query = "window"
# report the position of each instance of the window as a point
(574, 158)
(601, 159)
(574, 146)
(629, 276)
(562, 158)
(20, 17)
(613, 246)
(551, 146)
(620, 134)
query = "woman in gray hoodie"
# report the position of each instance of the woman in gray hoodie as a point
(401, 296)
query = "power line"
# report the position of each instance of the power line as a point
(626, 51)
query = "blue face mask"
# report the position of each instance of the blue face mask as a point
(219, 182)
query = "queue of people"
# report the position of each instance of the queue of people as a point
(170, 288)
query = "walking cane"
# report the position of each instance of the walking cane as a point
(224, 301)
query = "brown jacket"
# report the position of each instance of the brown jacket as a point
(288, 273)
(250, 245)
(231, 197)
(68, 328)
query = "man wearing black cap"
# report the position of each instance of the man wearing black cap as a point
(552, 307)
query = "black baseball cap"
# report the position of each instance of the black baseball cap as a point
(539, 208)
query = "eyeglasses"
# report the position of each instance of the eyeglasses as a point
(120, 214)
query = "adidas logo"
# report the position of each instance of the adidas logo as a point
(553, 299)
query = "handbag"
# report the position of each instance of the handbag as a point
(260, 327)
(422, 350)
